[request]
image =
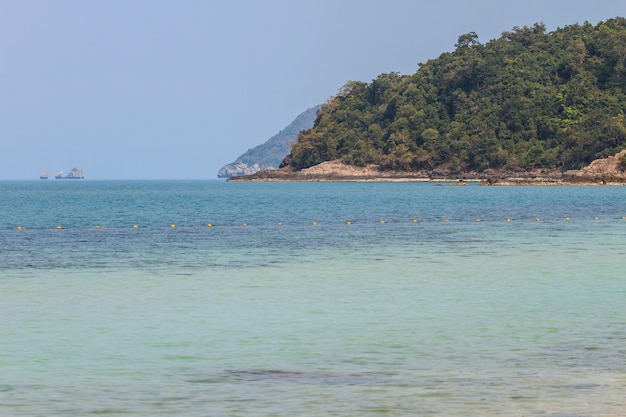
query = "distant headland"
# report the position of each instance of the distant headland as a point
(270, 154)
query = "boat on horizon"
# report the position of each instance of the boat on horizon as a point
(59, 175)
(44, 175)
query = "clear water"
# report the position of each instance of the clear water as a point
(284, 317)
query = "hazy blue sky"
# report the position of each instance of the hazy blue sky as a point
(136, 89)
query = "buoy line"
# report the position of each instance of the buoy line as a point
(350, 222)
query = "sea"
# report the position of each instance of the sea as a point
(213, 298)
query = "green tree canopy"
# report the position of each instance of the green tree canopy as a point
(529, 99)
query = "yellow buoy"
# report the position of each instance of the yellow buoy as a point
(19, 228)
(135, 226)
(568, 219)
(537, 219)
(244, 224)
(446, 221)
(348, 222)
(623, 217)
(172, 226)
(97, 227)
(59, 228)
(508, 220)
(209, 225)
(314, 223)
(280, 223)
(382, 222)
(596, 218)
(477, 220)
(415, 221)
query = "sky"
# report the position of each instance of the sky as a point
(154, 89)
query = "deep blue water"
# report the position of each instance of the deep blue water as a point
(278, 218)
(119, 204)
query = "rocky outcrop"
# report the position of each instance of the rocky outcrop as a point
(610, 166)
(605, 171)
(339, 169)
(334, 171)
(236, 169)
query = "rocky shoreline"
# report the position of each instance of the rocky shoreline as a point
(607, 171)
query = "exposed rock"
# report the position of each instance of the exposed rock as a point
(334, 171)
(607, 166)
(605, 171)
(239, 168)
(340, 169)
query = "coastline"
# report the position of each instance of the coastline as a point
(600, 172)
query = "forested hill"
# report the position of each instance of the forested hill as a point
(529, 99)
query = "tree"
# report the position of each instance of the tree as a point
(430, 135)
(467, 40)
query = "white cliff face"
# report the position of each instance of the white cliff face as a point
(238, 169)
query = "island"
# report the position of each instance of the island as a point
(75, 174)
(531, 107)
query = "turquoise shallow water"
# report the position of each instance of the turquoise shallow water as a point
(457, 318)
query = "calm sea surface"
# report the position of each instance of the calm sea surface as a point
(281, 308)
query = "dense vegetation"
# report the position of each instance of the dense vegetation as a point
(529, 99)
